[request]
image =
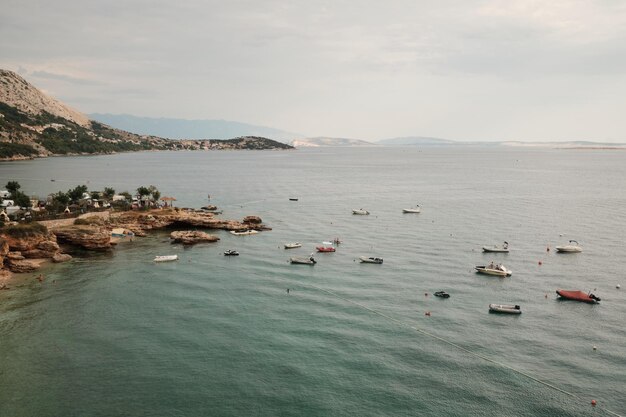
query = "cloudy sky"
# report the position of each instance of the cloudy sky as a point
(464, 70)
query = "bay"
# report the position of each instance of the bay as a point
(116, 334)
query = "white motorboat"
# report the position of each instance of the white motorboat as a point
(231, 252)
(497, 249)
(415, 209)
(165, 258)
(244, 233)
(360, 212)
(573, 247)
(303, 261)
(505, 308)
(293, 245)
(370, 260)
(491, 269)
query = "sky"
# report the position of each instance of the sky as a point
(491, 70)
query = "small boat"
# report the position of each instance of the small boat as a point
(293, 199)
(573, 247)
(442, 294)
(165, 258)
(491, 269)
(337, 241)
(121, 232)
(231, 252)
(505, 308)
(244, 233)
(360, 212)
(415, 209)
(497, 249)
(325, 249)
(303, 261)
(370, 260)
(293, 245)
(578, 295)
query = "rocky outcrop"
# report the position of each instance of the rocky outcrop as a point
(256, 220)
(88, 237)
(191, 237)
(159, 219)
(61, 257)
(22, 265)
(22, 247)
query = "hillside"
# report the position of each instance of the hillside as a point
(189, 129)
(35, 125)
(326, 141)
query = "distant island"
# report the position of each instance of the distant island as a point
(34, 125)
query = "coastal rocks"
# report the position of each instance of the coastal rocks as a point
(22, 265)
(28, 241)
(88, 237)
(192, 237)
(45, 249)
(61, 257)
(252, 220)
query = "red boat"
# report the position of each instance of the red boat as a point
(325, 249)
(578, 295)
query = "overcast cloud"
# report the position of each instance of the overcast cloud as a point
(464, 70)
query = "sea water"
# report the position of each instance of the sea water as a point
(116, 334)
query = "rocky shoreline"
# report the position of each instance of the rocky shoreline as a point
(25, 248)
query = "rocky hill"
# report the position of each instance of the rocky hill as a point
(35, 125)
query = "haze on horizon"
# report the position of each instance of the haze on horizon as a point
(462, 70)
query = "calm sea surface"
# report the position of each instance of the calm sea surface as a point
(115, 334)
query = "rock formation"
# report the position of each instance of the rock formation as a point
(191, 237)
(88, 237)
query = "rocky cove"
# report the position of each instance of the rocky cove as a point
(26, 247)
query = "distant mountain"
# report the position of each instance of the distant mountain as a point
(33, 124)
(190, 129)
(416, 140)
(325, 141)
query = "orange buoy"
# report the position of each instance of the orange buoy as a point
(593, 402)
(540, 263)
(546, 296)
(548, 249)
(425, 294)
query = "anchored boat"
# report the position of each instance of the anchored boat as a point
(573, 247)
(293, 245)
(360, 212)
(325, 249)
(442, 294)
(505, 308)
(303, 261)
(415, 209)
(231, 252)
(244, 233)
(491, 269)
(497, 249)
(578, 295)
(370, 260)
(165, 258)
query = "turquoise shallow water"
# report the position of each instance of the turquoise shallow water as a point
(115, 334)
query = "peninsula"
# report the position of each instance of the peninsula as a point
(34, 125)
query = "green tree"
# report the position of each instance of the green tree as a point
(143, 191)
(77, 193)
(20, 199)
(127, 195)
(61, 198)
(154, 193)
(13, 186)
(108, 193)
